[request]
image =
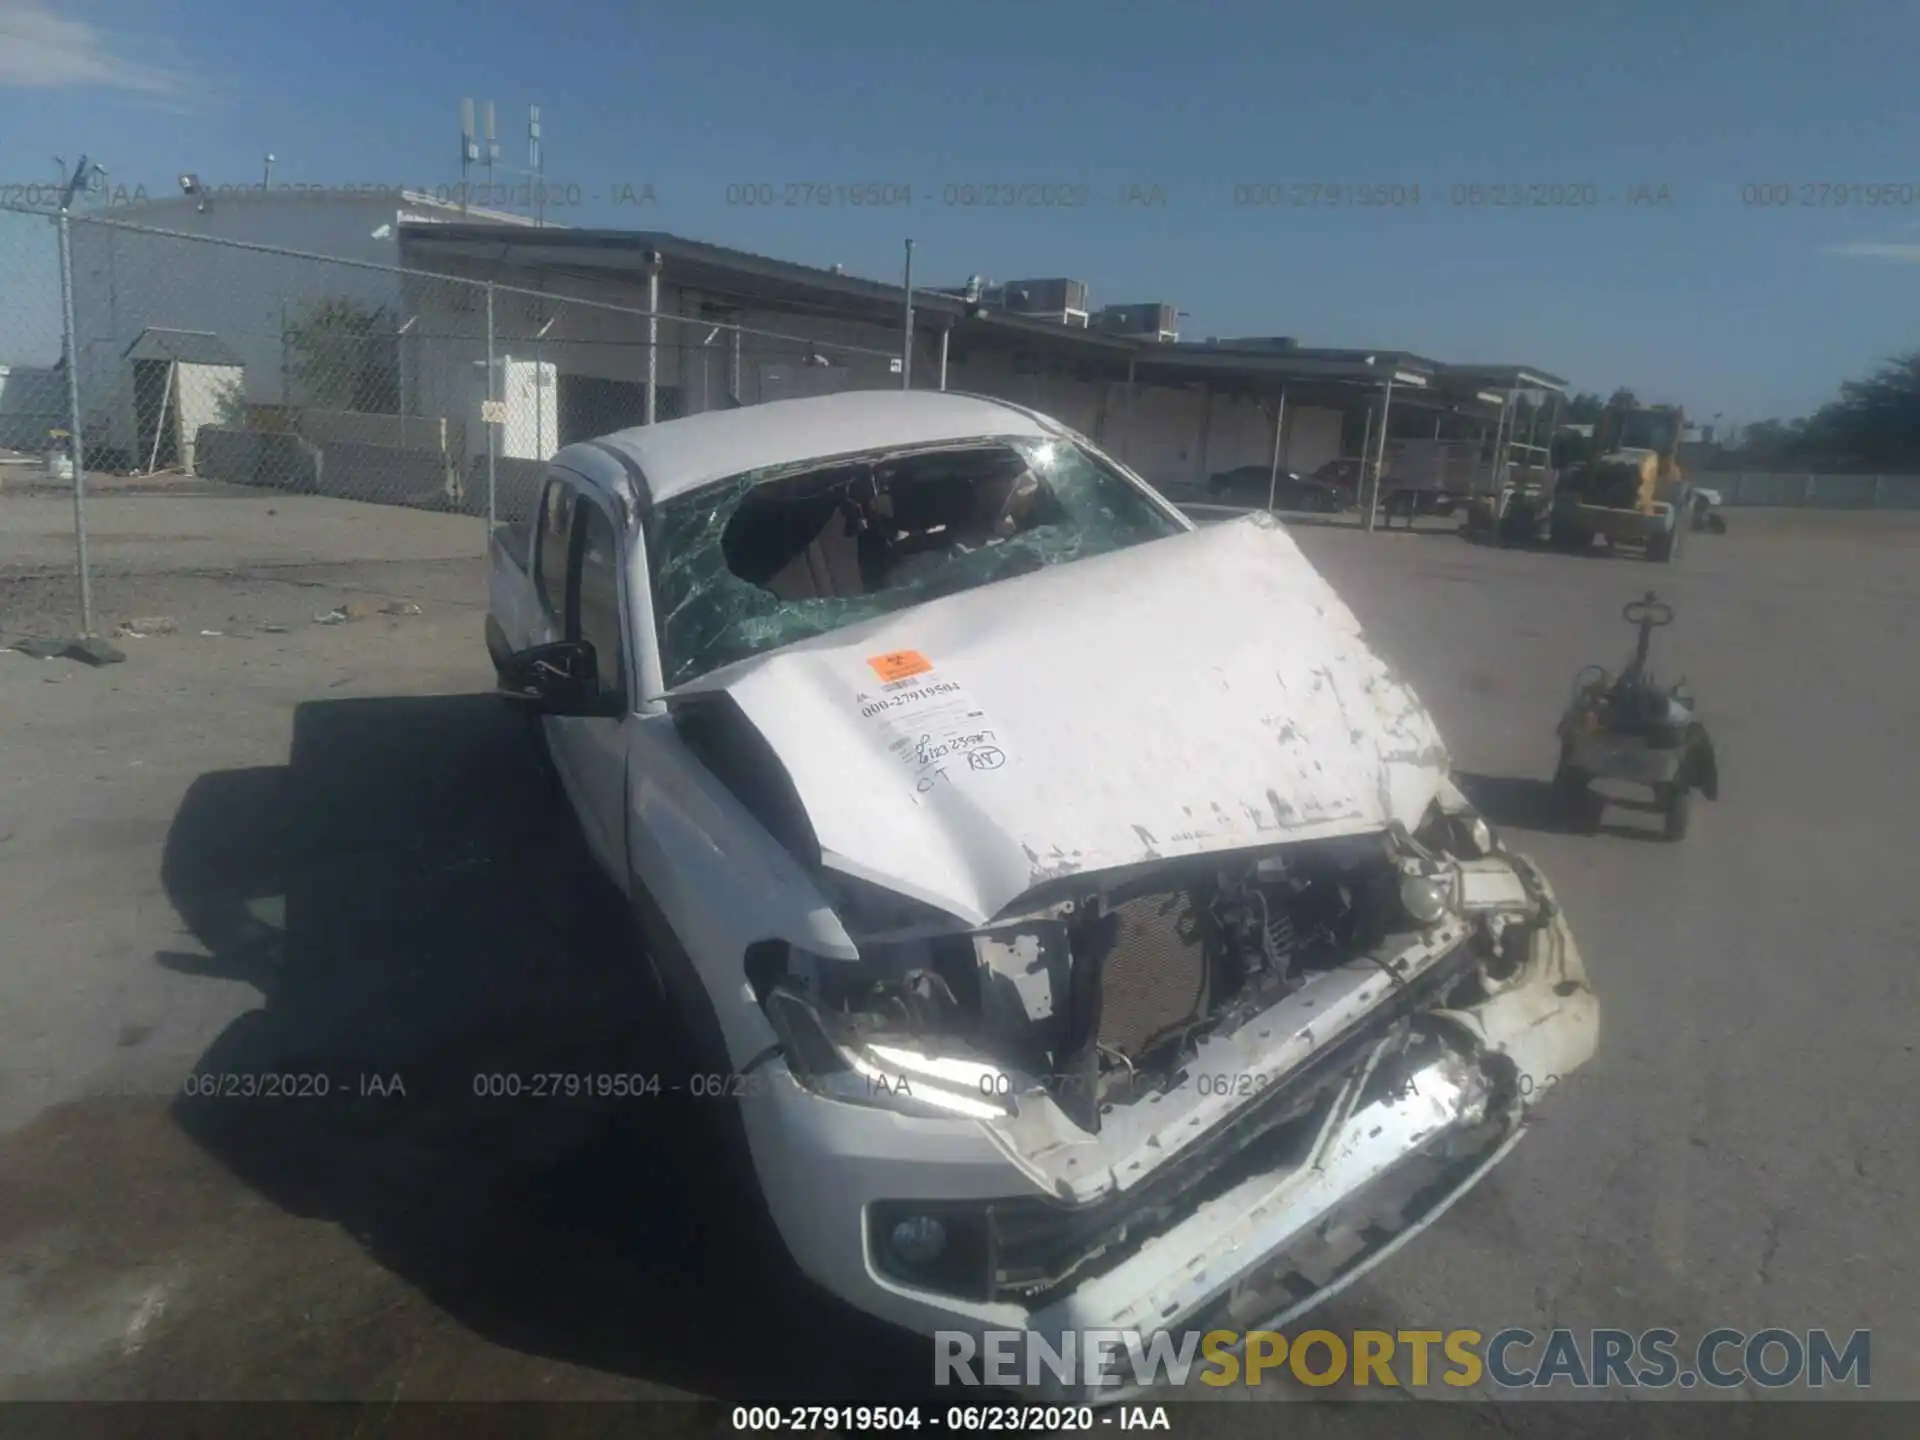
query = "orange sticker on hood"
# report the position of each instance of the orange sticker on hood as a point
(899, 665)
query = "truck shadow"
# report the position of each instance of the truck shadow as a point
(410, 897)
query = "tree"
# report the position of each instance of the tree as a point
(1873, 425)
(345, 355)
(1770, 437)
(1583, 409)
(1875, 421)
(230, 406)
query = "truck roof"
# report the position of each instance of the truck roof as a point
(681, 455)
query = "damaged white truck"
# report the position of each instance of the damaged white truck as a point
(1082, 913)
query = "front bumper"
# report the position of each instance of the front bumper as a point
(1271, 1245)
(1621, 524)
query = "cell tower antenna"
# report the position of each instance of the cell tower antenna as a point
(493, 146)
(534, 164)
(469, 150)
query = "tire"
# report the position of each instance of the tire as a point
(1679, 812)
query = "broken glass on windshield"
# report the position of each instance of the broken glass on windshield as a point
(760, 561)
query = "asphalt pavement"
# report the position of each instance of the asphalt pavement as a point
(311, 848)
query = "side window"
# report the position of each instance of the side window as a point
(550, 548)
(594, 615)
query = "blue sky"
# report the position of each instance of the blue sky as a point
(1707, 300)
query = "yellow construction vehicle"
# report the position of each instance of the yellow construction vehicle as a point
(1628, 485)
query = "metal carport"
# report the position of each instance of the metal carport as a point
(728, 282)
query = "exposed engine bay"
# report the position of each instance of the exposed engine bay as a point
(1101, 997)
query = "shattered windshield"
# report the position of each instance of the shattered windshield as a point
(774, 556)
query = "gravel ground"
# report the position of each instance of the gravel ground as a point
(321, 849)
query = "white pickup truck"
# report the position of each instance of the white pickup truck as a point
(1082, 915)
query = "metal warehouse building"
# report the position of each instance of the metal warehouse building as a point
(1177, 412)
(472, 339)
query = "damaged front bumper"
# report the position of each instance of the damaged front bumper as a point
(1228, 1214)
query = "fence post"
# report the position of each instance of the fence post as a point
(653, 339)
(491, 426)
(77, 439)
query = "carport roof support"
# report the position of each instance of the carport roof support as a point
(1501, 377)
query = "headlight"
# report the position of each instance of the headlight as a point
(888, 1074)
(1423, 900)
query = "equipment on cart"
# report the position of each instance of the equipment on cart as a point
(1629, 727)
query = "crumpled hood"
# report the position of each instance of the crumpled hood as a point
(1201, 693)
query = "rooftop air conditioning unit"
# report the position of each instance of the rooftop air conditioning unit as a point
(1151, 321)
(1062, 301)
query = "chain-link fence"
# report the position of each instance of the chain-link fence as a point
(40, 574)
(210, 367)
(215, 369)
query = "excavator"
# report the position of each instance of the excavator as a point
(1628, 485)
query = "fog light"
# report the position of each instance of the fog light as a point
(919, 1239)
(1422, 899)
(940, 1247)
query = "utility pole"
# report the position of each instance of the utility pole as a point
(906, 338)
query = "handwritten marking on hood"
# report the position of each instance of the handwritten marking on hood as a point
(931, 724)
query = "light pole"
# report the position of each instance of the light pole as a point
(906, 329)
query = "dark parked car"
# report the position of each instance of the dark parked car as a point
(1249, 485)
(1343, 476)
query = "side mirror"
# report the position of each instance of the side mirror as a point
(558, 679)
